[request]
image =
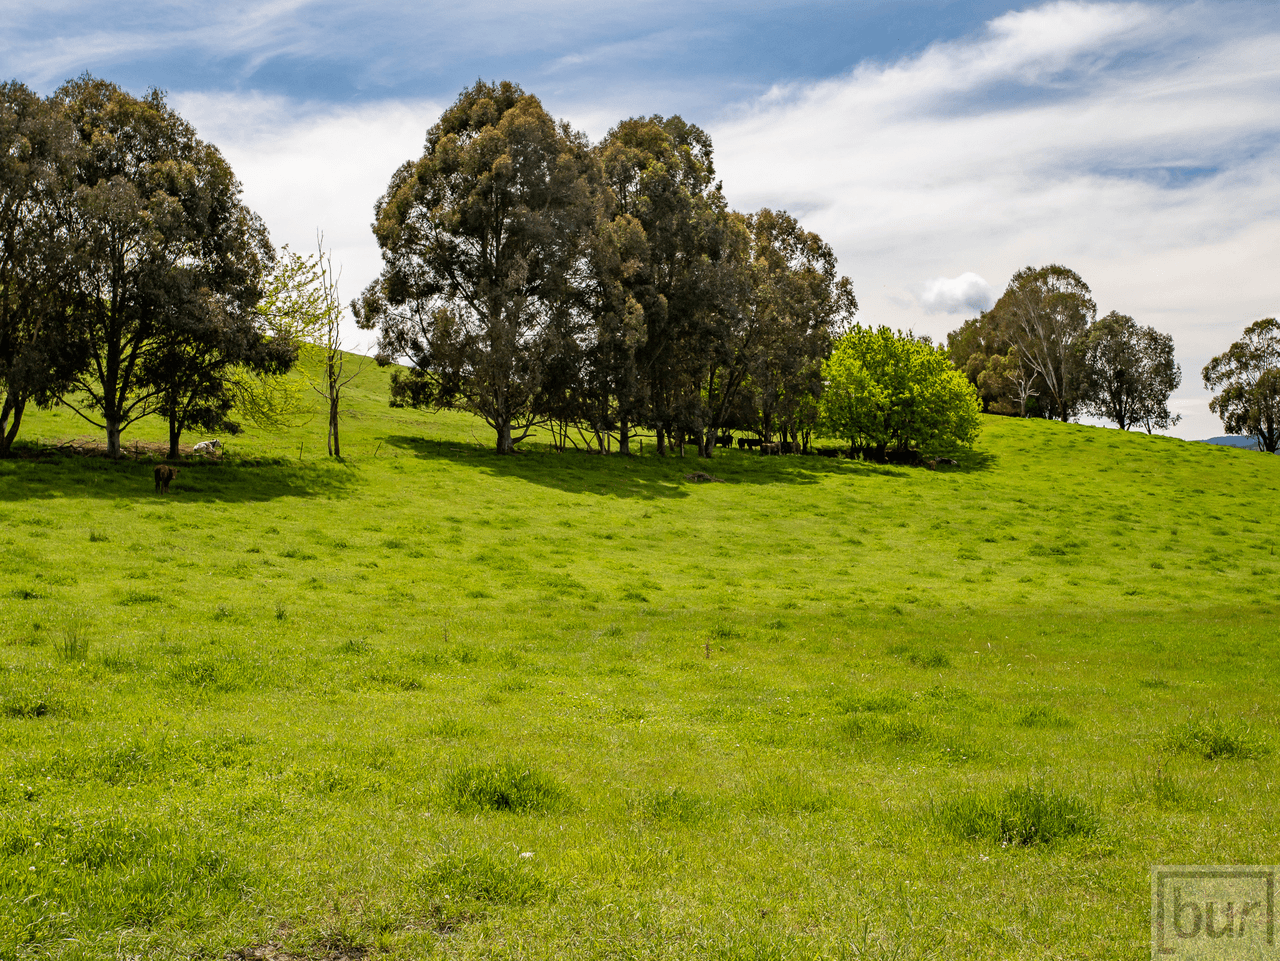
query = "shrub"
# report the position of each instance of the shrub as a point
(1021, 815)
(503, 786)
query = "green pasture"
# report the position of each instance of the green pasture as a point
(428, 701)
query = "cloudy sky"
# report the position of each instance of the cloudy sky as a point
(938, 145)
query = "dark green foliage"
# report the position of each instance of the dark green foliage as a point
(1130, 373)
(1247, 379)
(1045, 313)
(1027, 814)
(167, 266)
(480, 238)
(41, 349)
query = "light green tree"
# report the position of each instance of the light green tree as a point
(890, 394)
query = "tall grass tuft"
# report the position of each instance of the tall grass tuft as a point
(72, 644)
(503, 786)
(1210, 737)
(1020, 815)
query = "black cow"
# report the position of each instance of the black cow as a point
(164, 474)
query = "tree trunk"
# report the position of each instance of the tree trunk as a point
(624, 437)
(504, 438)
(335, 449)
(113, 439)
(662, 442)
(175, 436)
(9, 431)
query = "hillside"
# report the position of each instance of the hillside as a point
(558, 705)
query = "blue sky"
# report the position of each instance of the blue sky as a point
(939, 146)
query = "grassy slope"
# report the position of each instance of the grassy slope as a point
(288, 660)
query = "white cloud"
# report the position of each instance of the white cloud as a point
(1137, 144)
(308, 168)
(951, 295)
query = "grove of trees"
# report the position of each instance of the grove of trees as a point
(532, 278)
(130, 269)
(1042, 351)
(602, 292)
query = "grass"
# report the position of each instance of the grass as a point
(329, 706)
(1211, 737)
(1025, 814)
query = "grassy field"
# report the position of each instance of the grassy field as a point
(429, 701)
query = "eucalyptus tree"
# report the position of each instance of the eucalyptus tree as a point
(1247, 381)
(797, 304)
(167, 256)
(1130, 372)
(39, 349)
(666, 261)
(981, 348)
(1046, 313)
(484, 241)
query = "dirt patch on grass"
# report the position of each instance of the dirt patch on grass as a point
(97, 447)
(324, 950)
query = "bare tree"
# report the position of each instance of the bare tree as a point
(303, 306)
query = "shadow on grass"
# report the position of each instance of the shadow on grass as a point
(648, 476)
(231, 480)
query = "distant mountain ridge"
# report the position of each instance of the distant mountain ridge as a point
(1233, 440)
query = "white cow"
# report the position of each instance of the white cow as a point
(208, 446)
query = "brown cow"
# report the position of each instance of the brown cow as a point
(164, 473)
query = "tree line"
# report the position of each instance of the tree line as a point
(600, 292)
(131, 273)
(1042, 351)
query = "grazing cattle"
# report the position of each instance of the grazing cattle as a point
(726, 440)
(753, 442)
(207, 446)
(828, 451)
(769, 448)
(164, 473)
(788, 447)
(742, 443)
